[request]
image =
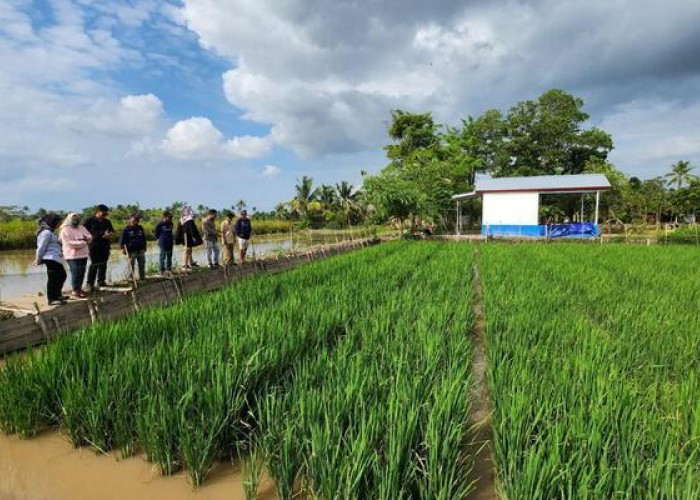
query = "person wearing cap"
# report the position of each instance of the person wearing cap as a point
(211, 238)
(164, 236)
(49, 254)
(75, 240)
(133, 243)
(243, 231)
(227, 240)
(101, 229)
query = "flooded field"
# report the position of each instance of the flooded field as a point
(49, 468)
(19, 276)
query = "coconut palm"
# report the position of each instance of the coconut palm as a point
(347, 196)
(680, 174)
(326, 195)
(305, 194)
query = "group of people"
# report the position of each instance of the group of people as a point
(76, 242)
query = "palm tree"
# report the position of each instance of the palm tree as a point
(240, 205)
(326, 195)
(680, 173)
(346, 198)
(305, 194)
(281, 211)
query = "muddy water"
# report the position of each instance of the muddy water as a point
(20, 277)
(47, 467)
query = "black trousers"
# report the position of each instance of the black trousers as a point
(98, 266)
(56, 278)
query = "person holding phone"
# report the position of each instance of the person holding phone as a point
(101, 229)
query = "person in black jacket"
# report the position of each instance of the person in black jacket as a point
(101, 230)
(243, 230)
(164, 235)
(133, 243)
(187, 235)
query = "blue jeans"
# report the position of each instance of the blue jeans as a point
(166, 259)
(212, 252)
(77, 272)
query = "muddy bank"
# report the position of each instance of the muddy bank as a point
(47, 467)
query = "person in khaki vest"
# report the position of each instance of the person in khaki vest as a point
(228, 240)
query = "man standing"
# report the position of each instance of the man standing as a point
(164, 235)
(133, 243)
(227, 240)
(101, 230)
(243, 231)
(211, 238)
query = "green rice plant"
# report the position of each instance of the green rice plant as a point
(593, 370)
(252, 472)
(306, 365)
(369, 439)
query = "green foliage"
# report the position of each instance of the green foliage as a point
(543, 137)
(595, 393)
(260, 364)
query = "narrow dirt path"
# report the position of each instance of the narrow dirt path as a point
(481, 447)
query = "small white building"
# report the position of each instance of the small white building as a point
(511, 205)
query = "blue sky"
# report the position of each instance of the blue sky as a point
(211, 101)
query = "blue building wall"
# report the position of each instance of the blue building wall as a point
(576, 230)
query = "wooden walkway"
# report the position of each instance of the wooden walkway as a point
(38, 325)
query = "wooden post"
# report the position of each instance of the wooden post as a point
(39, 319)
(131, 267)
(134, 300)
(91, 310)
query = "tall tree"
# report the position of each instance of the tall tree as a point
(305, 195)
(540, 137)
(327, 196)
(680, 174)
(346, 196)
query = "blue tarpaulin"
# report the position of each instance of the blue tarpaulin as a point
(575, 230)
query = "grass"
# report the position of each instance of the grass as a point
(254, 371)
(593, 373)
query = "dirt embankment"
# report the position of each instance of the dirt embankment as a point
(481, 447)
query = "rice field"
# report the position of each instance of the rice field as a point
(593, 370)
(345, 378)
(352, 377)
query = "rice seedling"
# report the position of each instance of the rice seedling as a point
(193, 383)
(366, 413)
(593, 370)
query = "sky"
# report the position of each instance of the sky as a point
(212, 101)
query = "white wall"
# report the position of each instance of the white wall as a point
(521, 209)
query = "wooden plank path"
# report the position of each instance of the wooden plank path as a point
(40, 326)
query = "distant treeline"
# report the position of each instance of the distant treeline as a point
(18, 229)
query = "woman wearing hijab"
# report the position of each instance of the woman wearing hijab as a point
(48, 253)
(75, 239)
(187, 235)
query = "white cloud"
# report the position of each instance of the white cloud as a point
(193, 138)
(198, 138)
(248, 146)
(326, 74)
(130, 116)
(271, 171)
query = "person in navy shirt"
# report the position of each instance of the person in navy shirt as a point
(164, 235)
(243, 230)
(133, 243)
